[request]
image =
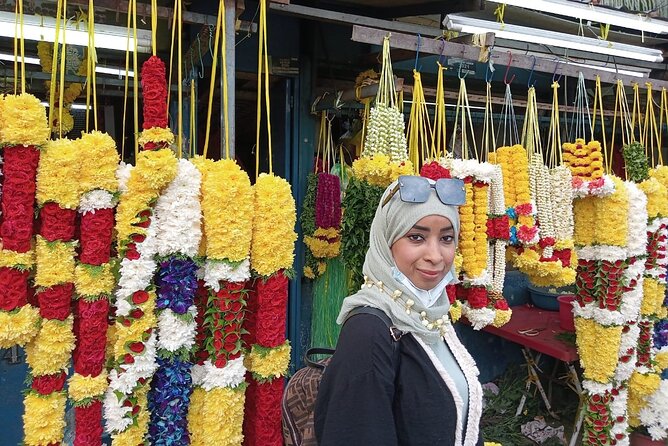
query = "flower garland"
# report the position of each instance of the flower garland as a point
(125, 402)
(217, 402)
(585, 160)
(49, 353)
(269, 357)
(177, 223)
(94, 283)
(325, 243)
(22, 131)
(312, 267)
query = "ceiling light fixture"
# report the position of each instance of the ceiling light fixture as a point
(44, 28)
(471, 25)
(587, 11)
(98, 69)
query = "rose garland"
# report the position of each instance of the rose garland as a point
(23, 130)
(271, 254)
(217, 403)
(325, 243)
(178, 233)
(48, 354)
(94, 283)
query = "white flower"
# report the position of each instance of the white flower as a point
(135, 275)
(174, 332)
(178, 214)
(594, 387)
(601, 252)
(600, 315)
(115, 414)
(123, 175)
(637, 221)
(216, 271)
(596, 188)
(653, 415)
(472, 168)
(479, 317)
(96, 199)
(209, 377)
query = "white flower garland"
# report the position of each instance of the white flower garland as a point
(602, 187)
(618, 409)
(123, 175)
(595, 387)
(174, 332)
(562, 203)
(209, 377)
(215, 271)
(386, 133)
(599, 315)
(115, 413)
(637, 221)
(483, 172)
(539, 177)
(96, 199)
(629, 341)
(478, 317)
(497, 254)
(144, 366)
(178, 214)
(654, 414)
(135, 275)
(601, 252)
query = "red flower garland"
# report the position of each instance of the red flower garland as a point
(88, 426)
(97, 237)
(55, 302)
(13, 288)
(271, 317)
(47, 384)
(498, 227)
(434, 171)
(264, 425)
(154, 89)
(328, 201)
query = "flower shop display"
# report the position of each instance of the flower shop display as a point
(271, 256)
(382, 161)
(94, 284)
(23, 130)
(48, 354)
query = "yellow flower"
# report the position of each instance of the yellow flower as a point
(94, 280)
(98, 171)
(612, 229)
(9, 258)
(584, 217)
(598, 348)
(227, 208)
(18, 327)
(134, 435)
(489, 443)
(124, 335)
(322, 248)
(111, 342)
(379, 170)
(82, 387)
(272, 248)
(455, 311)
(45, 54)
(641, 386)
(216, 417)
(657, 197)
(58, 173)
(55, 262)
(502, 317)
(662, 360)
(661, 174)
(44, 418)
(156, 135)
(653, 294)
(308, 272)
(51, 349)
(269, 362)
(25, 121)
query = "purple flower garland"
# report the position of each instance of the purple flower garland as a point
(328, 201)
(171, 387)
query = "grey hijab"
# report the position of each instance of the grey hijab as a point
(391, 222)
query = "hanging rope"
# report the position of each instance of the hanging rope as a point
(19, 5)
(439, 142)
(212, 85)
(419, 131)
(63, 60)
(651, 130)
(510, 133)
(135, 78)
(598, 105)
(463, 120)
(226, 115)
(263, 64)
(127, 72)
(171, 56)
(191, 136)
(581, 119)
(91, 60)
(554, 158)
(489, 141)
(179, 71)
(531, 130)
(636, 116)
(626, 127)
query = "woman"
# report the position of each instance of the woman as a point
(423, 388)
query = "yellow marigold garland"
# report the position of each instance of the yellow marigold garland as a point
(50, 351)
(227, 200)
(660, 173)
(653, 295)
(661, 359)
(455, 311)
(467, 231)
(81, 387)
(55, 262)
(272, 247)
(502, 317)
(12, 259)
(657, 197)
(379, 170)
(584, 216)
(585, 160)
(480, 205)
(156, 135)
(269, 363)
(92, 280)
(219, 416)
(98, 171)
(598, 348)
(59, 163)
(41, 427)
(325, 243)
(25, 121)
(18, 327)
(641, 386)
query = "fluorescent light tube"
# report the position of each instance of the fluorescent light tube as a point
(587, 11)
(73, 106)
(471, 25)
(98, 69)
(44, 28)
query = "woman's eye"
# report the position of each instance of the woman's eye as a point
(415, 237)
(448, 239)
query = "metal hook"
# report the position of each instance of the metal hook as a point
(417, 53)
(533, 65)
(441, 58)
(555, 79)
(488, 70)
(505, 76)
(459, 72)
(211, 28)
(201, 62)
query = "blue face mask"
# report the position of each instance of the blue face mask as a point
(428, 297)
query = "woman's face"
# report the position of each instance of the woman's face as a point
(426, 252)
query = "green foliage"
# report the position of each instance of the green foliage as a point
(359, 207)
(635, 159)
(308, 208)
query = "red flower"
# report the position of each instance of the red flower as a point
(272, 310)
(451, 290)
(88, 425)
(262, 421)
(154, 91)
(54, 302)
(524, 209)
(434, 171)
(328, 201)
(96, 236)
(477, 297)
(13, 288)
(91, 320)
(57, 223)
(221, 361)
(132, 254)
(501, 304)
(232, 337)
(138, 238)
(139, 297)
(545, 242)
(128, 358)
(144, 223)
(137, 347)
(47, 384)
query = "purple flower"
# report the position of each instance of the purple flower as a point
(328, 201)
(177, 284)
(168, 402)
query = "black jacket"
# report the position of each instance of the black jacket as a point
(378, 392)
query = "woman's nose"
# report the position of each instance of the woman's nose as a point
(433, 252)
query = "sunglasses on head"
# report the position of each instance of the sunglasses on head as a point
(414, 189)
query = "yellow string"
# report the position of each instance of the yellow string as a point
(462, 118)
(54, 66)
(499, 13)
(489, 140)
(212, 85)
(179, 139)
(22, 46)
(665, 112)
(263, 63)
(154, 25)
(63, 59)
(531, 130)
(651, 129)
(439, 141)
(171, 56)
(223, 62)
(419, 128)
(192, 118)
(555, 132)
(605, 30)
(636, 116)
(598, 104)
(92, 59)
(135, 77)
(266, 84)
(259, 94)
(127, 71)
(16, 47)
(365, 120)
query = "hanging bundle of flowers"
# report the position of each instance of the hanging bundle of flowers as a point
(383, 160)
(23, 130)
(48, 354)
(312, 267)
(94, 283)
(177, 221)
(217, 403)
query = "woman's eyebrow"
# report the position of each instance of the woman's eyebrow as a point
(447, 229)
